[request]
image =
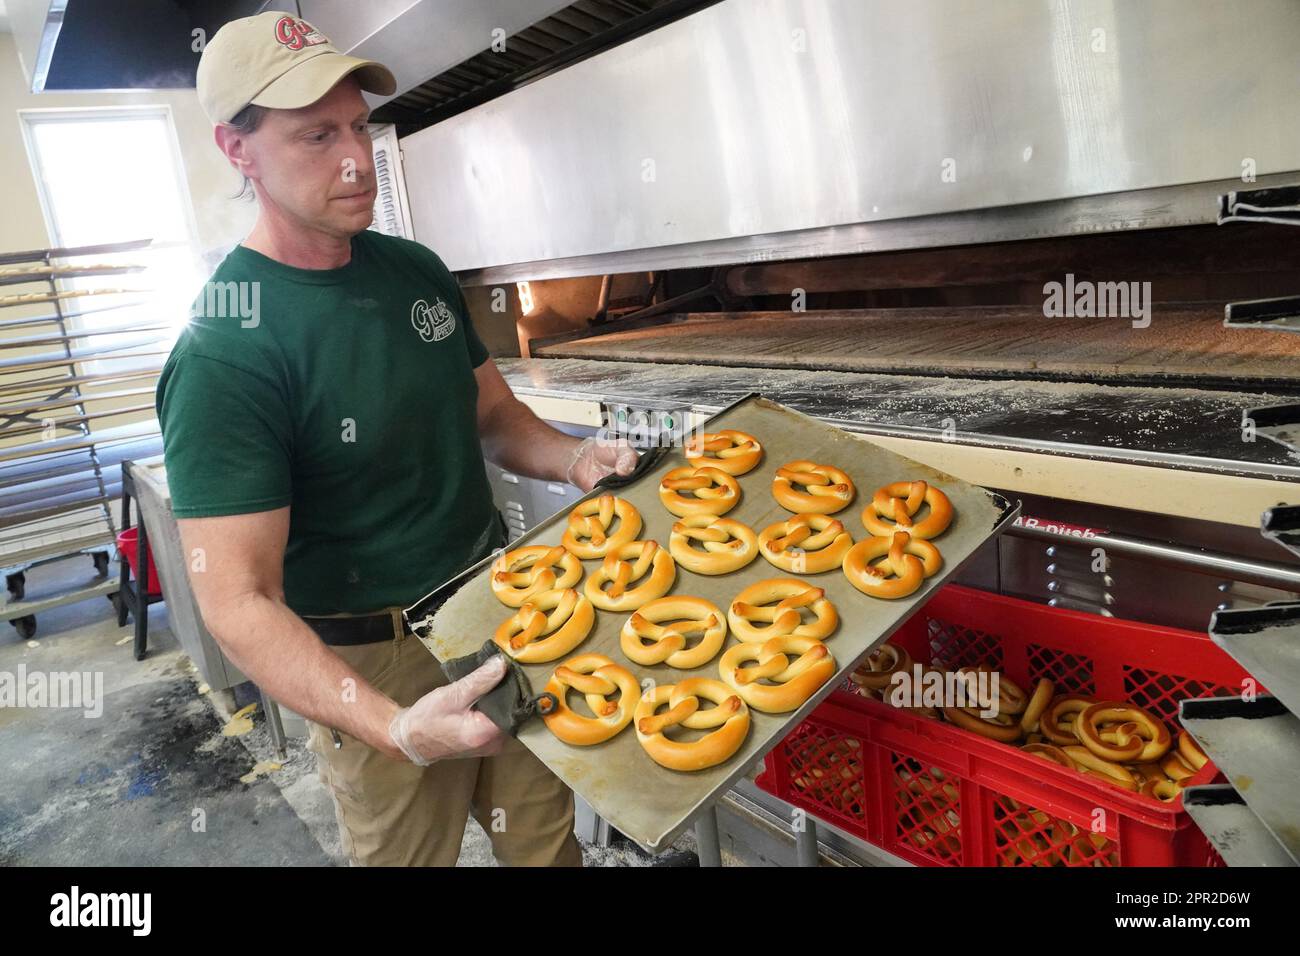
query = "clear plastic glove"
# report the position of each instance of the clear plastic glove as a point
(440, 724)
(594, 458)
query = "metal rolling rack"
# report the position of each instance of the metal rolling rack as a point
(56, 479)
(1254, 820)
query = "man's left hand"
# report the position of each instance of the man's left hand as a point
(594, 458)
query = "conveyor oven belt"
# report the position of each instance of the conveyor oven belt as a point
(1175, 345)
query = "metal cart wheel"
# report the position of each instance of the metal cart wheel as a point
(16, 583)
(101, 562)
(26, 626)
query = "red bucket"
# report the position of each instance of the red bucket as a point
(128, 542)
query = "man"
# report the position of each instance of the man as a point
(324, 453)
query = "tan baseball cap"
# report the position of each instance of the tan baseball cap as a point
(279, 61)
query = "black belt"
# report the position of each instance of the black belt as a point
(350, 631)
(369, 628)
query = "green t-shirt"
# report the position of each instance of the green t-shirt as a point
(348, 395)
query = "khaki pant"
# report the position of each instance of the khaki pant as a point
(393, 813)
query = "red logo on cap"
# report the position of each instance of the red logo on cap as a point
(296, 34)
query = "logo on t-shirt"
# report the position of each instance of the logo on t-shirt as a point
(433, 322)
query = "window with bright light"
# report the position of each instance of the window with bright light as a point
(111, 175)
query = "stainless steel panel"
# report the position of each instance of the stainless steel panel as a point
(153, 498)
(1160, 208)
(513, 495)
(1136, 586)
(550, 497)
(755, 117)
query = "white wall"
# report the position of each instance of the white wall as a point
(221, 220)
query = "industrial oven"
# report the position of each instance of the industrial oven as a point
(998, 239)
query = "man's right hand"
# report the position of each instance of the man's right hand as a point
(442, 725)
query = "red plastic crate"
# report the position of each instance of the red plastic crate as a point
(937, 795)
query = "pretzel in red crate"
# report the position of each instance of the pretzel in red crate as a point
(1007, 793)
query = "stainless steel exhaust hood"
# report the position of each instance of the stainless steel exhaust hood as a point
(778, 117)
(70, 45)
(418, 39)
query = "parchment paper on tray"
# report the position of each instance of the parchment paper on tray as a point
(646, 802)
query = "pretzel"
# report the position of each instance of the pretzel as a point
(827, 489)
(1052, 753)
(1033, 844)
(1092, 765)
(1011, 699)
(1004, 728)
(943, 830)
(1166, 791)
(715, 491)
(840, 784)
(533, 637)
(1192, 754)
(730, 716)
(755, 604)
(1037, 703)
(937, 810)
(728, 450)
(1146, 772)
(947, 794)
(930, 558)
(728, 544)
(1176, 768)
(1082, 846)
(886, 694)
(653, 567)
(900, 502)
(595, 676)
(588, 534)
(877, 670)
(792, 684)
(1051, 724)
(519, 574)
(689, 615)
(900, 574)
(805, 544)
(1141, 737)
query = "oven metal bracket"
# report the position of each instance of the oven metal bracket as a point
(1279, 205)
(1281, 423)
(1256, 742)
(1269, 315)
(1282, 525)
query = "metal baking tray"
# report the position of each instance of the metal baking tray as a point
(1256, 743)
(1265, 641)
(648, 803)
(1240, 837)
